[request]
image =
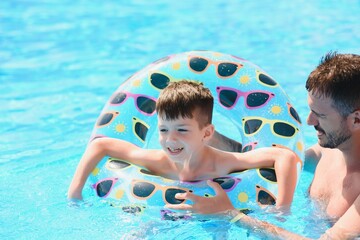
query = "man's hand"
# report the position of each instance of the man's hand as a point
(204, 205)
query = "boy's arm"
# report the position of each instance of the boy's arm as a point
(93, 154)
(283, 160)
(286, 174)
(98, 149)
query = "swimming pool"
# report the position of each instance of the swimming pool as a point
(61, 60)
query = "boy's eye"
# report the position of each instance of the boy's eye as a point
(182, 130)
(163, 130)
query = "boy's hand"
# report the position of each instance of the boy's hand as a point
(205, 205)
(74, 193)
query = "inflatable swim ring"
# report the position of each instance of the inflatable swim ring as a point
(249, 106)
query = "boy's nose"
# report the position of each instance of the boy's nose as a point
(171, 136)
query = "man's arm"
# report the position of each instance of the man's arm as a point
(221, 204)
(348, 226)
(267, 229)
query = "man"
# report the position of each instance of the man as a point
(334, 101)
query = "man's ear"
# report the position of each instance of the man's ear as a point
(355, 119)
(209, 132)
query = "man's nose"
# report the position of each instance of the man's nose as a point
(312, 119)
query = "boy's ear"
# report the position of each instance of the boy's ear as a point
(209, 132)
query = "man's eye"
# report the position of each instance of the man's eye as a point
(319, 115)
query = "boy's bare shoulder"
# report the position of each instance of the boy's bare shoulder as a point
(146, 157)
(317, 155)
(314, 152)
(152, 154)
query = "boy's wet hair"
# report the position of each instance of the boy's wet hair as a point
(186, 99)
(337, 77)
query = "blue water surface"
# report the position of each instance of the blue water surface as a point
(61, 60)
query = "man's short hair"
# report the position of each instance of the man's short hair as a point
(337, 77)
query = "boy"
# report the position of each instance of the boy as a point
(184, 120)
(333, 97)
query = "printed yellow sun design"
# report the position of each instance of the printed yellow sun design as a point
(136, 82)
(217, 54)
(275, 110)
(300, 146)
(119, 193)
(244, 79)
(243, 197)
(176, 66)
(95, 171)
(120, 128)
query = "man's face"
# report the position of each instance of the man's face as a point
(331, 127)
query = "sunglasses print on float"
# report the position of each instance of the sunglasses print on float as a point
(117, 164)
(140, 129)
(144, 104)
(113, 163)
(106, 118)
(265, 80)
(224, 69)
(160, 80)
(248, 147)
(104, 186)
(267, 174)
(143, 190)
(228, 97)
(253, 125)
(227, 183)
(264, 197)
(293, 113)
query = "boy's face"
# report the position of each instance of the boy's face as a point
(181, 138)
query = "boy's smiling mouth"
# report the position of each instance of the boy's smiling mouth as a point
(175, 150)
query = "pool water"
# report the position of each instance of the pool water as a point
(61, 60)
